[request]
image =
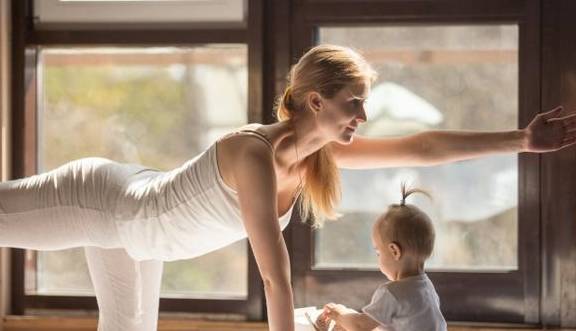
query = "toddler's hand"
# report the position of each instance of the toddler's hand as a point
(333, 310)
(338, 327)
(323, 322)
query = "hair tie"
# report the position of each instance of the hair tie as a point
(287, 98)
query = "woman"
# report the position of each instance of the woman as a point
(130, 218)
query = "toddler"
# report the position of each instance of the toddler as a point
(403, 238)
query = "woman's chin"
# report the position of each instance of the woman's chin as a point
(347, 138)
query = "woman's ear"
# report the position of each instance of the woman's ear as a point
(395, 250)
(314, 102)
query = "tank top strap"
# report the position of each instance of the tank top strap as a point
(259, 135)
(253, 133)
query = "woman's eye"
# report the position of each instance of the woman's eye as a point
(358, 102)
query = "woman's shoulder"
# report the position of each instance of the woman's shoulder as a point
(238, 153)
(251, 126)
(251, 136)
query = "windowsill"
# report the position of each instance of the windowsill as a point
(46, 323)
(93, 315)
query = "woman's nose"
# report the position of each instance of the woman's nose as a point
(362, 115)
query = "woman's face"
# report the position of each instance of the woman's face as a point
(340, 116)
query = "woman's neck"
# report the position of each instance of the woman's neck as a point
(299, 138)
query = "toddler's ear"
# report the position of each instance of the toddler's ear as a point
(395, 250)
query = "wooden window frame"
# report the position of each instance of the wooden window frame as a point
(277, 33)
(466, 296)
(26, 41)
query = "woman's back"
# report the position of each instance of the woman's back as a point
(182, 213)
(163, 215)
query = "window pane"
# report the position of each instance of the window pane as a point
(139, 11)
(437, 77)
(153, 106)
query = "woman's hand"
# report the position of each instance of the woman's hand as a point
(550, 131)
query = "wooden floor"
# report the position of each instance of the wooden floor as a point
(33, 323)
(88, 324)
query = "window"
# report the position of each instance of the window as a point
(435, 77)
(442, 65)
(139, 11)
(151, 87)
(454, 62)
(152, 106)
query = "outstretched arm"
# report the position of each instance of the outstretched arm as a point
(547, 132)
(256, 185)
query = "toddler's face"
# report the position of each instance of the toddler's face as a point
(386, 261)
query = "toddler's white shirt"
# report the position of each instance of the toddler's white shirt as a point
(409, 304)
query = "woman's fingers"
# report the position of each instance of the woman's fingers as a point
(568, 145)
(570, 125)
(552, 113)
(552, 130)
(571, 116)
(566, 121)
(568, 141)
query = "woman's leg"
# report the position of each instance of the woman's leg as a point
(127, 291)
(63, 208)
(57, 228)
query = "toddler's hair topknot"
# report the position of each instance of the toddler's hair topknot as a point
(408, 226)
(406, 193)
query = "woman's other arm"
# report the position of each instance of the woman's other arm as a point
(256, 185)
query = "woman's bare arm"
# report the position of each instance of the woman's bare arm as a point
(424, 149)
(547, 132)
(256, 185)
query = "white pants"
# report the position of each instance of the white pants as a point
(63, 209)
(127, 291)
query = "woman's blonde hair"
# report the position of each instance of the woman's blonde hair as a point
(324, 69)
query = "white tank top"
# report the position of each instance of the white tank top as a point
(182, 213)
